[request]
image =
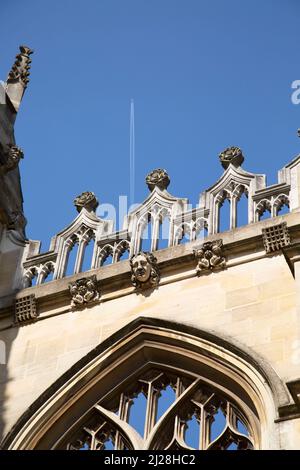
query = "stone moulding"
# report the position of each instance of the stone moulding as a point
(210, 256)
(276, 237)
(57, 401)
(83, 292)
(25, 309)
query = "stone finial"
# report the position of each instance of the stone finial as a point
(159, 178)
(210, 256)
(84, 291)
(21, 67)
(87, 200)
(14, 155)
(232, 155)
(18, 76)
(144, 270)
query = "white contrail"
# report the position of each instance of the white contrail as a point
(132, 153)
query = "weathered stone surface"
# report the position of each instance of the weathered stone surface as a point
(210, 256)
(144, 270)
(84, 291)
(159, 178)
(87, 200)
(276, 237)
(236, 328)
(231, 155)
(25, 309)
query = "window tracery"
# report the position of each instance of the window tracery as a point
(219, 423)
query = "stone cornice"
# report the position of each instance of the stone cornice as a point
(242, 245)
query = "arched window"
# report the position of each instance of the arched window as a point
(155, 385)
(281, 205)
(88, 256)
(242, 210)
(201, 416)
(145, 233)
(164, 232)
(263, 210)
(105, 256)
(184, 233)
(71, 257)
(224, 217)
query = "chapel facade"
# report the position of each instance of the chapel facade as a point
(212, 320)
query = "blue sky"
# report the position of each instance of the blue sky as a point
(204, 74)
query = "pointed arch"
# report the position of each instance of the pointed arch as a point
(208, 369)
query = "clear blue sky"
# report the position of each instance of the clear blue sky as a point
(204, 74)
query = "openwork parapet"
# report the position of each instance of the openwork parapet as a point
(162, 220)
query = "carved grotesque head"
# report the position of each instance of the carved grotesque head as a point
(144, 270)
(141, 267)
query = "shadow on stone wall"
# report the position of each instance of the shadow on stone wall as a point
(7, 337)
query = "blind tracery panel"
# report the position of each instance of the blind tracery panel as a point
(163, 410)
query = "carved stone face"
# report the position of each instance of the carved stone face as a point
(141, 268)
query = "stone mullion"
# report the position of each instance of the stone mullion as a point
(274, 208)
(257, 213)
(117, 254)
(42, 273)
(233, 208)
(96, 254)
(151, 410)
(140, 232)
(171, 233)
(205, 420)
(101, 258)
(155, 233)
(80, 254)
(193, 231)
(216, 216)
(230, 415)
(67, 247)
(93, 441)
(179, 426)
(124, 409)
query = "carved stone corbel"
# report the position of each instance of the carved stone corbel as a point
(84, 291)
(144, 270)
(210, 256)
